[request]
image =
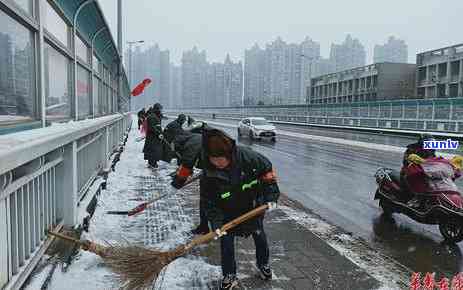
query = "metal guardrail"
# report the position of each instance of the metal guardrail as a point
(438, 115)
(44, 173)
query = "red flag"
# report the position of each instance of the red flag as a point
(140, 87)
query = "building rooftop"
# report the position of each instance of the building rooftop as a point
(361, 69)
(444, 50)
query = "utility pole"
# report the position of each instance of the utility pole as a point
(131, 43)
(310, 59)
(119, 45)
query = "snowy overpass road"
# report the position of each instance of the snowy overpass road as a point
(336, 182)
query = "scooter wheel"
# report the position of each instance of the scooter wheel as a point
(452, 231)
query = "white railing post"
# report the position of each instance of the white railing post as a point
(66, 185)
(106, 149)
(3, 244)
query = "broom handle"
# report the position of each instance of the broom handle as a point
(193, 179)
(228, 226)
(67, 238)
(85, 245)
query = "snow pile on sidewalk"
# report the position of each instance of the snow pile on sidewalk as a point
(164, 225)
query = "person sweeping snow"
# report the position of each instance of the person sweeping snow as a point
(235, 180)
(153, 149)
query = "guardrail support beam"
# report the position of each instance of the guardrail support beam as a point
(66, 186)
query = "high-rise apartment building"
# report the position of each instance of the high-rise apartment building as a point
(216, 83)
(233, 83)
(175, 86)
(254, 74)
(154, 64)
(395, 50)
(280, 73)
(194, 78)
(164, 81)
(350, 54)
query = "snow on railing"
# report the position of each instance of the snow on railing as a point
(44, 173)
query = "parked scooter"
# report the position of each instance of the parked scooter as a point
(445, 210)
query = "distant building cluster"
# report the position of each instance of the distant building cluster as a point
(295, 73)
(196, 82)
(281, 73)
(210, 84)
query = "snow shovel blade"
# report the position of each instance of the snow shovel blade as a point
(140, 208)
(117, 212)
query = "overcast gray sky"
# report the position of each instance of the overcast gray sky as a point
(222, 27)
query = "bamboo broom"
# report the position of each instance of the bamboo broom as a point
(138, 267)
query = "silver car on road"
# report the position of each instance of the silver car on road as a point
(257, 128)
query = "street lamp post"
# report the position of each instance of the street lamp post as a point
(131, 43)
(119, 46)
(311, 59)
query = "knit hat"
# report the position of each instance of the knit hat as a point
(181, 118)
(157, 107)
(219, 146)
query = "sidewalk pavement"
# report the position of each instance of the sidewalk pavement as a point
(300, 259)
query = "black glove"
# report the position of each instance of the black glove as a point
(216, 225)
(178, 182)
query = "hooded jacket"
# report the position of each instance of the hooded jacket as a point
(248, 182)
(173, 129)
(188, 145)
(153, 148)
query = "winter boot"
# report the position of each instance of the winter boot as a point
(229, 282)
(265, 272)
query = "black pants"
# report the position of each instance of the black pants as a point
(203, 223)
(227, 246)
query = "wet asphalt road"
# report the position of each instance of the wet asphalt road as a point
(337, 183)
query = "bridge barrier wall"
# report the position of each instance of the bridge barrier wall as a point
(44, 174)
